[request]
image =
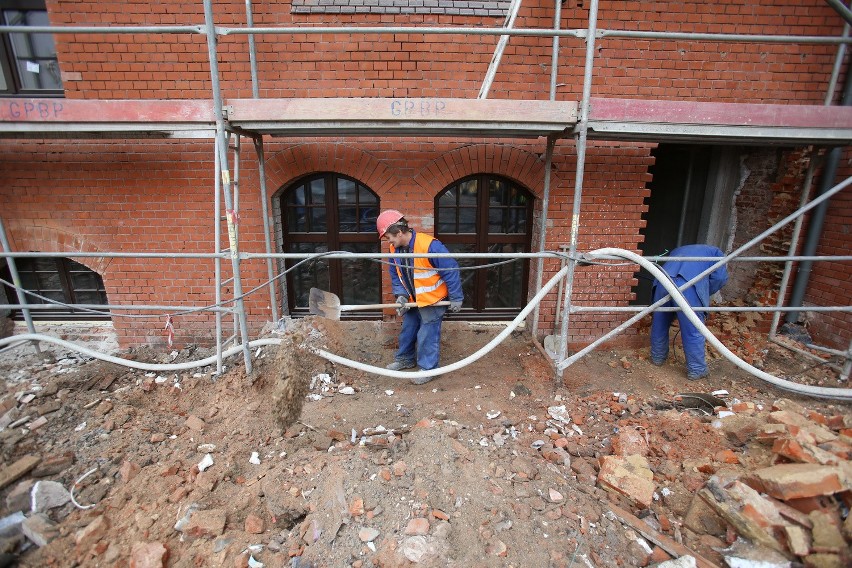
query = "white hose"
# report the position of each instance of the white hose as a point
(134, 364)
(672, 289)
(458, 364)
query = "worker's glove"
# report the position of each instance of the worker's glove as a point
(401, 300)
(455, 307)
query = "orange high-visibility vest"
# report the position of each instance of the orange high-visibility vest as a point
(429, 287)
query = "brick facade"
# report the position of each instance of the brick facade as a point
(118, 195)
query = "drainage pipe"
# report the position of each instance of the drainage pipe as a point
(663, 278)
(165, 367)
(829, 173)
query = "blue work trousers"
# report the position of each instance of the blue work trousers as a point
(420, 338)
(693, 341)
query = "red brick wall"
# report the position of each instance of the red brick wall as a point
(413, 65)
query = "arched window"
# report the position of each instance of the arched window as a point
(58, 279)
(330, 212)
(487, 213)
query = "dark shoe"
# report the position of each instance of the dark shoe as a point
(657, 363)
(422, 380)
(694, 377)
(400, 365)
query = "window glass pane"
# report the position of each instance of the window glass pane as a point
(84, 281)
(367, 219)
(295, 210)
(49, 281)
(346, 191)
(348, 219)
(466, 275)
(362, 282)
(448, 199)
(504, 281)
(318, 223)
(34, 54)
(366, 197)
(497, 192)
(4, 81)
(89, 297)
(447, 220)
(467, 220)
(313, 274)
(317, 191)
(496, 220)
(467, 192)
(517, 220)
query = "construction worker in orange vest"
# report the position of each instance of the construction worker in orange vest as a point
(424, 281)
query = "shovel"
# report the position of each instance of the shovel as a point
(327, 305)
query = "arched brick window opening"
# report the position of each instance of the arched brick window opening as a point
(59, 280)
(488, 213)
(331, 212)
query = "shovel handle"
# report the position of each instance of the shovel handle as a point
(357, 307)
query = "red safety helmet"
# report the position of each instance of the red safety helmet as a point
(386, 219)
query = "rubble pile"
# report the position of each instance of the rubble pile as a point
(488, 467)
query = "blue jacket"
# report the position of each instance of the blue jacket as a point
(450, 277)
(689, 269)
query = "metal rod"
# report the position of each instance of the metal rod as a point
(578, 184)
(217, 238)
(534, 32)
(498, 51)
(226, 181)
(794, 243)
(554, 59)
(267, 239)
(102, 29)
(255, 91)
(114, 307)
(16, 279)
(815, 223)
(841, 9)
(542, 233)
(236, 193)
(835, 71)
(847, 366)
(586, 309)
(427, 30)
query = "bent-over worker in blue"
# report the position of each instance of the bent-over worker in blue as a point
(425, 281)
(698, 295)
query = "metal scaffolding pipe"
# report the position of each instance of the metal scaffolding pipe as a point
(16, 279)
(217, 263)
(841, 9)
(542, 234)
(222, 148)
(583, 124)
(498, 51)
(554, 60)
(794, 244)
(255, 90)
(102, 30)
(535, 32)
(814, 234)
(267, 239)
(835, 70)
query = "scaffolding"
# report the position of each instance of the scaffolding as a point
(226, 122)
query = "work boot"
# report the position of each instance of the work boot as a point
(400, 365)
(697, 377)
(658, 362)
(422, 380)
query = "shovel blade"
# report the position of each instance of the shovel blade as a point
(324, 304)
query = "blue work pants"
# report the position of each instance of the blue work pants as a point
(420, 337)
(693, 341)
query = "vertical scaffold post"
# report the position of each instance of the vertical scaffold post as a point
(230, 213)
(16, 280)
(583, 124)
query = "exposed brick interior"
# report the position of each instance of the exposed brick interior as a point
(126, 196)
